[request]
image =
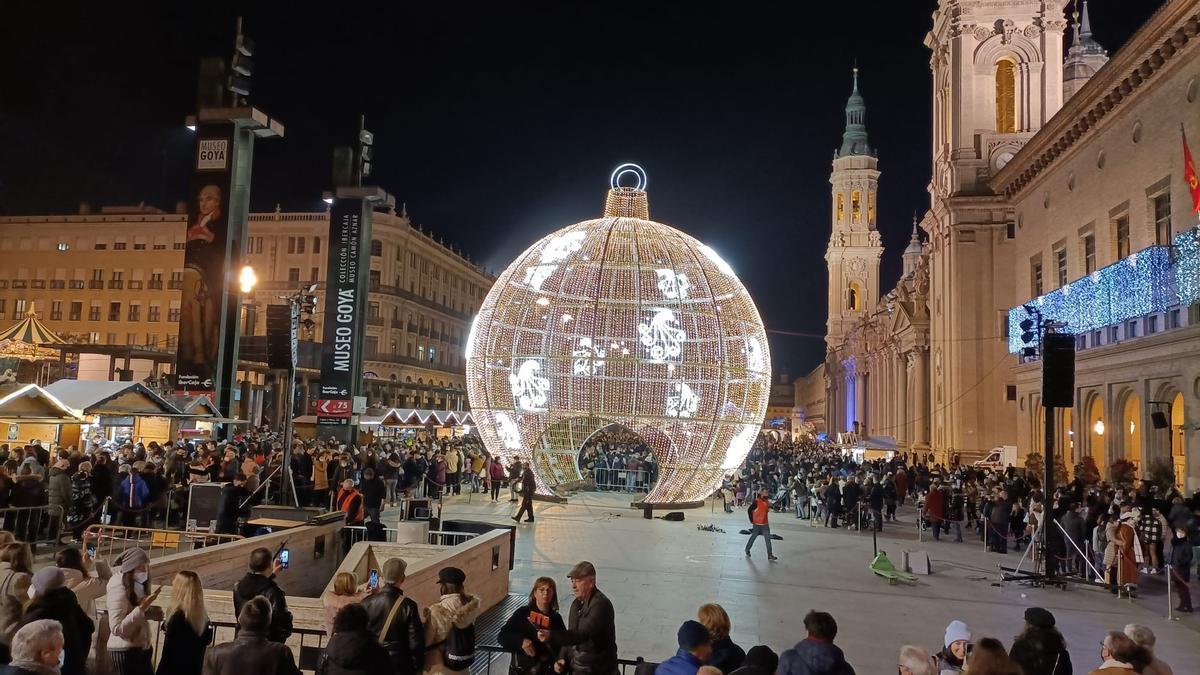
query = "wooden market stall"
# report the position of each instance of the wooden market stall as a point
(117, 410)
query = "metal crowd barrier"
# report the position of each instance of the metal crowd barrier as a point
(494, 654)
(357, 533)
(34, 524)
(112, 540)
(622, 480)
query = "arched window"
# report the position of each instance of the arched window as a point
(854, 298)
(1006, 96)
(841, 207)
(856, 205)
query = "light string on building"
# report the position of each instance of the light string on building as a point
(1155, 279)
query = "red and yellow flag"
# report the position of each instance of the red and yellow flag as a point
(1189, 173)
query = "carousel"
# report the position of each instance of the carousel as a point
(23, 352)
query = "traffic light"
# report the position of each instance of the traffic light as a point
(1029, 336)
(242, 66)
(366, 142)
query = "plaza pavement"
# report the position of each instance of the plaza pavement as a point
(658, 573)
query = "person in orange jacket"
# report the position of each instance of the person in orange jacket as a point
(759, 508)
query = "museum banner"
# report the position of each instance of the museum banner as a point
(206, 288)
(341, 346)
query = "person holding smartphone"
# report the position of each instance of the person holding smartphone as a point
(128, 600)
(260, 580)
(345, 591)
(519, 635)
(395, 620)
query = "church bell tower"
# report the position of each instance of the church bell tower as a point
(852, 256)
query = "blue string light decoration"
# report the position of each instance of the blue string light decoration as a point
(1151, 280)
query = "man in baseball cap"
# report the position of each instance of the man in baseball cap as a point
(591, 635)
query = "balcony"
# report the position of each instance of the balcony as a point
(96, 284)
(116, 284)
(37, 283)
(175, 284)
(385, 357)
(420, 300)
(76, 284)
(1156, 280)
(58, 284)
(374, 320)
(20, 283)
(135, 285)
(154, 285)
(397, 324)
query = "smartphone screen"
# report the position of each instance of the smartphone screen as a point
(284, 554)
(91, 551)
(373, 581)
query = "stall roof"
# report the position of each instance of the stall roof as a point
(397, 417)
(100, 397)
(33, 404)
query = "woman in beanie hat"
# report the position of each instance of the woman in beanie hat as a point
(127, 600)
(954, 650)
(1040, 649)
(53, 600)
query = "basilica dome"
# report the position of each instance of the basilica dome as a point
(620, 320)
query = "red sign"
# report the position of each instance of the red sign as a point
(327, 407)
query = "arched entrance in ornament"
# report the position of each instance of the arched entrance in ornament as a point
(558, 455)
(613, 460)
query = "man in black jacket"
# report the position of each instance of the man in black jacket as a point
(589, 644)
(251, 651)
(230, 508)
(404, 637)
(528, 486)
(260, 581)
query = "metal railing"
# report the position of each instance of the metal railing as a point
(34, 524)
(357, 533)
(622, 480)
(112, 540)
(493, 654)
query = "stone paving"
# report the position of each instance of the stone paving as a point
(657, 573)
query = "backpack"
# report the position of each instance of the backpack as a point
(459, 651)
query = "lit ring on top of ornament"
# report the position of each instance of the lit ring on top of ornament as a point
(629, 167)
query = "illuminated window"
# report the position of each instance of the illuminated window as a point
(871, 207)
(856, 205)
(841, 207)
(1006, 97)
(854, 298)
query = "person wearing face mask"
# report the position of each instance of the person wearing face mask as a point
(128, 598)
(37, 649)
(53, 600)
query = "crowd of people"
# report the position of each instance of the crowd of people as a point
(617, 459)
(1096, 530)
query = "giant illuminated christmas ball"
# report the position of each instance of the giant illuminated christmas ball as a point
(620, 320)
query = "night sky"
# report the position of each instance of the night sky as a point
(499, 122)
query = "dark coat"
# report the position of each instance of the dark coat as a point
(62, 606)
(517, 629)
(405, 639)
(102, 480)
(230, 508)
(726, 655)
(590, 640)
(528, 485)
(373, 492)
(182, 650)
(355, 653)
(250, 652)
(814, 657)
(1041, 652)
(253, 585)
